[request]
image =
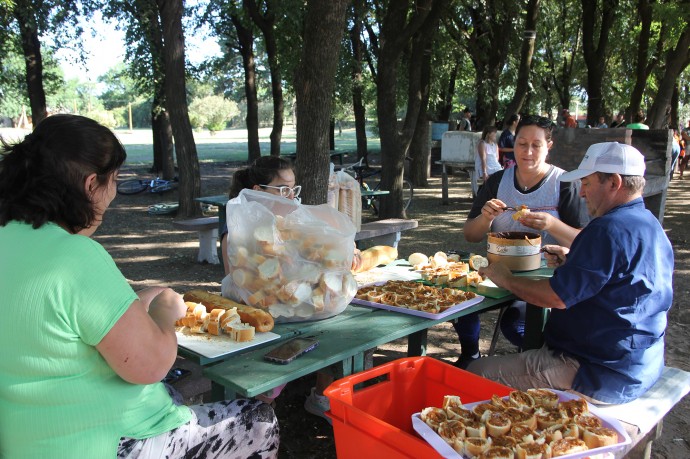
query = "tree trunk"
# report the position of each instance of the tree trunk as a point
(447, 109)
(266, 24)
(314, 84)
(357, 83)
(396, 34)
(595, 53)
(147, 15)
(677, 60)
(163, 147)
(175, 91)
(31, 46)
(526, 53)
(245, 40)
(420, 84)
(644, 8)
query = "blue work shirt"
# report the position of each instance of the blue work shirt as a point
(617, 287)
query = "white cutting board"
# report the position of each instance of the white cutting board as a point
(212, 346)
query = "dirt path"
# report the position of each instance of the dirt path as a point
(150, 252)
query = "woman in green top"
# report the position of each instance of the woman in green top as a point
(87, 352)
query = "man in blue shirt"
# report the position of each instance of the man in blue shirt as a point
(609, 293)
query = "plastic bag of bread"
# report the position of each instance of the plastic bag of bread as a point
(289, 259)
(350, 198)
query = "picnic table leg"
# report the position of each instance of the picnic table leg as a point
(416, 343)
(444, 185)
(535, 319)
(220, 392)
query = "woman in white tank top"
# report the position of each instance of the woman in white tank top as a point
(486, 159)
(534, 183)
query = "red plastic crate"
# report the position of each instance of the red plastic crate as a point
(375, 421)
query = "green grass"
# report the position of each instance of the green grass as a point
(228, 145)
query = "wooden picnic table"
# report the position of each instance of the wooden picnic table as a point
(343, 339)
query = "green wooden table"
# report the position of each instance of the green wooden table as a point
(220, 201)
(343, 339)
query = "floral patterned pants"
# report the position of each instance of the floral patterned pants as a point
(241, 429)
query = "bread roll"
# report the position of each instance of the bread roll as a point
(521, 212)
(478, 261)
(262, 321)
(214, 322)
(451, 401)
(418, 259)
(375, 256)
(241, 332)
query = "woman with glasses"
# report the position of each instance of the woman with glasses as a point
(532, 182)
(275, 175)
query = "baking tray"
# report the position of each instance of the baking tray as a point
(212, 346)
(413, 312)
(446, 451)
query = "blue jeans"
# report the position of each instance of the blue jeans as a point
(512, 326)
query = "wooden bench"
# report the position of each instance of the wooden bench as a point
(643, 417)
(207, 227)
(383, 232)
(467, 167)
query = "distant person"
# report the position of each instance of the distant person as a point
(638, 121)
(619, 122)
(465, 124)
(506, 143)
(685, 142)
(486, 159)
(568, 119)
(601, 124)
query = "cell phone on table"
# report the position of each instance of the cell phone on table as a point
(290, 350)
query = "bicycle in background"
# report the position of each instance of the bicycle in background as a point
(136, 186)
(365, 172)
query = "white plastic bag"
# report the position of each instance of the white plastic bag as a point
(290, 259)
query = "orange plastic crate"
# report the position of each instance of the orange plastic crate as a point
(375, 421)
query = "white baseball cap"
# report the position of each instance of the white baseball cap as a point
(609, 157)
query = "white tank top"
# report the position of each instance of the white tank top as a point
(547, 195)
(492, 164)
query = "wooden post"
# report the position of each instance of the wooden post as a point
(129, 109)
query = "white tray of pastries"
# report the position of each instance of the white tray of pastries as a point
(415, 298)
(534, 424)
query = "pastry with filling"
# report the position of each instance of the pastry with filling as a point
(497, 452)
(544, 397)
(567, 446)
(497, 424)
(451, 430)
(433, 416)
(533, 451)
(599, 436)
(474, 446)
